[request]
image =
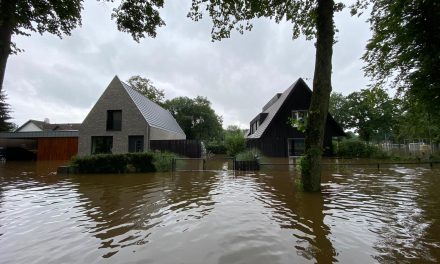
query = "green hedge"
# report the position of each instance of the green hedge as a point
(355, 148)
(120, 163)
(216, 147)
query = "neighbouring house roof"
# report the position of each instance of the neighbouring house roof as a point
(44, 126)
(38, 134)
(154, 114)
(274, 105)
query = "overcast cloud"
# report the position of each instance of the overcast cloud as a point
(61, 79)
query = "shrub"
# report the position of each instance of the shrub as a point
(141, 162)
(250, 154)
(216, 147)
(355, 148)
(119, 163)
(162, 161)
(235, 143)
(101, 163)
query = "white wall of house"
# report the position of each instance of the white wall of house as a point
(29, 127)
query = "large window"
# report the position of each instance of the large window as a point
(295, 146)
(102, 145)
(135, 143)
(114, 120)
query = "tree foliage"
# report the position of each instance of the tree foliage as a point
(145, 86)
(405, 48)
(235, 141)
(196, 117)
(5, 110)
(371, 112)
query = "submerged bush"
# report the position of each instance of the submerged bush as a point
(101, 163)
(355, 148)
(248, 155)
(163, 161)
(120, 163)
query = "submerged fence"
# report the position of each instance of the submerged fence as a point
(202, 164)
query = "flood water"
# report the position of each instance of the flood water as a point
(362, 215)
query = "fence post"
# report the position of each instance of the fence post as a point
(378, 166)
(204, 164)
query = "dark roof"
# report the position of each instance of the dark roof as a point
(39, 134)
(272, 110)
(273, 106)
(153, 113)
(52, 127)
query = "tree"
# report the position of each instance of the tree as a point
(21, 17)
(234, 140)
(145, 86)
(338, 108)
(312, 18)
(196, 117)
(405, 49)
(5, 110)
(372, 114)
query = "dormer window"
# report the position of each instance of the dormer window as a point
(114, 120)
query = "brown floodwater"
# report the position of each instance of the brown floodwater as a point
(362, 215)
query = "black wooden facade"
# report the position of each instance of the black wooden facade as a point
(271, 133)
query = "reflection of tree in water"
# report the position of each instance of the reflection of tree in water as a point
(303, 213)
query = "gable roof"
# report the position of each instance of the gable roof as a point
(272, 109)
(154, 114)
(51, 127)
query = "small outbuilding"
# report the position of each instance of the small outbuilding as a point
(123, 120)
(271, 133)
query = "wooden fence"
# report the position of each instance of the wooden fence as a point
(188, 148)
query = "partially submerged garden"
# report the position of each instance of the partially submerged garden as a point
(130, 208)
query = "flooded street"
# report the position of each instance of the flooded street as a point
(362, 215)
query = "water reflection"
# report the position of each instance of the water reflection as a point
(302, 213)
(362, 216)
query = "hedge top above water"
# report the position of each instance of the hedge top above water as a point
(120, 163)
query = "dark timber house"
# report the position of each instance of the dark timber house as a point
(274, 137)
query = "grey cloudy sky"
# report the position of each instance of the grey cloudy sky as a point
(61, 79)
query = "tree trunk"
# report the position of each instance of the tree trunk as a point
(7, 10)
(318, 111)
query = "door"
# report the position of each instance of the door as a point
(135, 143)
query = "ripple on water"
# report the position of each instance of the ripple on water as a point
(363, 215)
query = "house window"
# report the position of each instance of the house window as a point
(299, 115)
(295, 146)
(114, 120)
(102, 145)
(135, 143)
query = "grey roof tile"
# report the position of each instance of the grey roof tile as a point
(154, 114)
(271, 112)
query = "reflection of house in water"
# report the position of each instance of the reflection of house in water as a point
(41, 140)
(124, 210)
(270, 131)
